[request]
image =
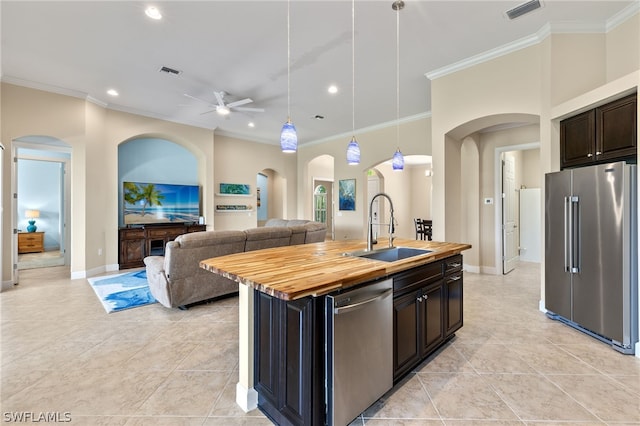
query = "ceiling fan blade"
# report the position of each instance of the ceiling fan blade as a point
(198, 99)
(245, 109)
(219, 98)
(240, 102)
(207, 112)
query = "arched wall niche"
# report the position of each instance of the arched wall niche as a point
(154, 159)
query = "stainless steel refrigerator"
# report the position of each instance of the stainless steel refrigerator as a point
(591, 260)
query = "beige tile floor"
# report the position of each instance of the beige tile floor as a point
(509, 364)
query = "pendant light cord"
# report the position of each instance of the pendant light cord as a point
(288, 60)
(398, 77)
(353, 67)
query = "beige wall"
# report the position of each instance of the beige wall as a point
(376, 146)
(94, 134)
(522, 86)
(240, 161)
(538, 84)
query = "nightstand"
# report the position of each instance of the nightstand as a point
(30, 242)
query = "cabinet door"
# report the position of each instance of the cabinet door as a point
(267, 343)
(288, 370)
(453, 315)
(431, 312)
(577, 140)
(296, 374)
(406, 346)
(132, 247)
(616, 125)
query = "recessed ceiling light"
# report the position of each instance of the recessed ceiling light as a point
(252, 124)
(112, 92)
(153, 12)
(333, 89)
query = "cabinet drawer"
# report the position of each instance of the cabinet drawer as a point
(415, 278)
(453, 264)
(131, 234)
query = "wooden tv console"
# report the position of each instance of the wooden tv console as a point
(136, 243)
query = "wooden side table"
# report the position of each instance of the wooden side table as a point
(30, 242)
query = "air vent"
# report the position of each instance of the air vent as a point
(523, 9)
(169, 71)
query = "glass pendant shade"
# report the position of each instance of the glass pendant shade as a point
(353, 152)
(398, 161)
(288, 137)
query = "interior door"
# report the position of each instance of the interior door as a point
(509, 216)
(14, 221)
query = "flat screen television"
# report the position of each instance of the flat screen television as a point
(148, 203)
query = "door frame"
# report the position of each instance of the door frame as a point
(65, 232)
(330, 203)
(497, 217)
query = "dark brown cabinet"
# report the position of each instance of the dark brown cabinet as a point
(289, 336)
(289, 359)
(418, 326)
(427, 310)
(604, 134)
(453, 295)
(136, 243)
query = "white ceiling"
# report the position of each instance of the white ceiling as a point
(85, 48)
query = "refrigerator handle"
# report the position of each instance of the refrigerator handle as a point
(574, 244)
(567, 238)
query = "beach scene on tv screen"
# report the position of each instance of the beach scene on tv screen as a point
(146, 203)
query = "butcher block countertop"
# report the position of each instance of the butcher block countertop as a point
(293, 272)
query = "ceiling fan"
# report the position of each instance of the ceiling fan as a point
(223, 108)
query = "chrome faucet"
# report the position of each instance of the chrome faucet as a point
(370, 222)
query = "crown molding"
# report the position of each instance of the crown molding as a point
(392, 123)
(566, 27)
(44, 87)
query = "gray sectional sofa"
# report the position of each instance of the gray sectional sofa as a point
(176, 279)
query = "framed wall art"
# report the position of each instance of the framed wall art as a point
(347, 194)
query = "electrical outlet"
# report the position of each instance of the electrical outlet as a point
(99, 252)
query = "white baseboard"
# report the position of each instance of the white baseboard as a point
(637, 349)
(247, 399)
(469, 268)
(541, 306)
(6, 285)
(79, 275)
(489, 270)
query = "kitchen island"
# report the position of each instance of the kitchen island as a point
(282, 304)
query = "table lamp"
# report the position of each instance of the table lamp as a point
(32, 215)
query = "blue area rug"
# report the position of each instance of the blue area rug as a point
(122, 291)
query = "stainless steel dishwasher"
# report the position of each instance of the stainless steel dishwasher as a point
(359, 342)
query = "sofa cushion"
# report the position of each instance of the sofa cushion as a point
(207, 238)
(183, 255)
(276, 222)
(296, 222)
(298, 234)
(316, 232)
(266, 237)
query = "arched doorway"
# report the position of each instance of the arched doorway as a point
(321, 172)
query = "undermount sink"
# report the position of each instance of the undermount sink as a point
(390, 254)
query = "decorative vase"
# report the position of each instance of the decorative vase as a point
(32, 226)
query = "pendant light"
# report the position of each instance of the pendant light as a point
(288, 135)
(398, 158)
(353, 149)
